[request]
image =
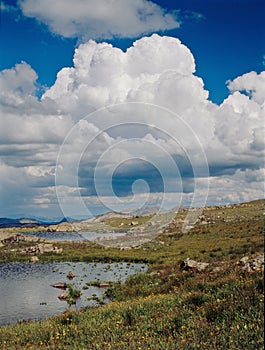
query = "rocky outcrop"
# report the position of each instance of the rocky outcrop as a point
(63, 227)
(205, 219)
(252, 264)
(41, 248)
(192, 265)
(246, 263)
(14, 238)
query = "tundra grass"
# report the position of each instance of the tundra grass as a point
(222, 239)
(198, 311)
(126, 223)
(166, 308)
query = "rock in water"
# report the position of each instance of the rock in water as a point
(60, 285)
(70, 275)
(63, 295)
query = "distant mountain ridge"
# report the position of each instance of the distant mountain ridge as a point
(26, 222)
(35, 222)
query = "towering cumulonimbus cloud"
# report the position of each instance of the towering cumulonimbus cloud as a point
(153, 68)
(158, 71)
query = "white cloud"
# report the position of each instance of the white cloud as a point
(154, 83)
(24, 119)
(100, 19)
(17, 83)
(154, 70)
(243, 186)
(251, 83)
(240, 119)
(236, 121)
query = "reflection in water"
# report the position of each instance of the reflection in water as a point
(26, 291)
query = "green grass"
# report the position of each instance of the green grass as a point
(210, 242)
(126, 223)
(165, 307)
(223, 311)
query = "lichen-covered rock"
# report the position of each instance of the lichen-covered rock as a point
(41, 248)
(253, 264)
(15, 238)
(192, 265)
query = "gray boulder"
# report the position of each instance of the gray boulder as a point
(253, 264)
(192, 265)
(34, 259)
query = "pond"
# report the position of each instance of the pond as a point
(26, 290)
(75, 236)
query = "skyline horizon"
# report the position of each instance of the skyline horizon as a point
(108, 107)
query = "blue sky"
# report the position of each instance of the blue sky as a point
(209, 144)
(226, 38)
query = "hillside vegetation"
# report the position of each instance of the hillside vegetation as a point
(168, 307)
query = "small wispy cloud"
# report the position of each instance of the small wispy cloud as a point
(12, 10)
(6, 8)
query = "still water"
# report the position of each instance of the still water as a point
(74, 236)
(26, 291)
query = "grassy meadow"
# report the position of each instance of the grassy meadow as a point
(165, 307)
